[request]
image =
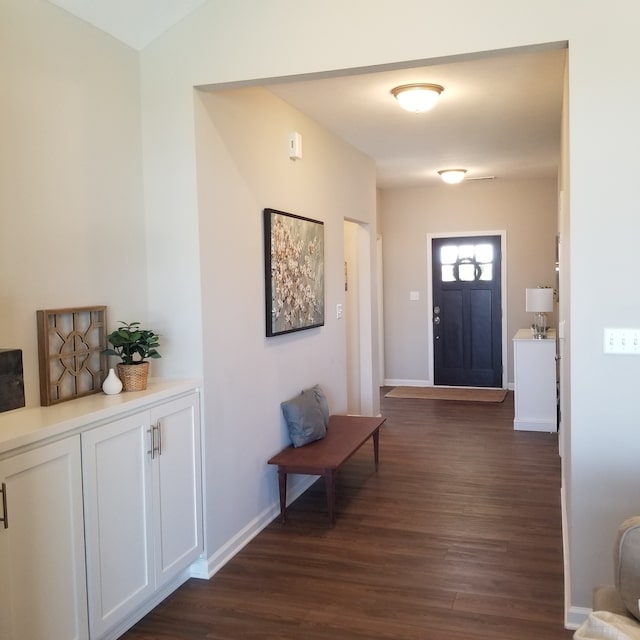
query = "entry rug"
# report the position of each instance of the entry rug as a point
(449, 393)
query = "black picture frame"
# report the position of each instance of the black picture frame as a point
(293, 272)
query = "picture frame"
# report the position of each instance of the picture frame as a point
(71, 344)
(293, 272)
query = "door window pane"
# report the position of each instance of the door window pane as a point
(466, 251)
(484, 253)
(447, 273)
(449, 254)
(486, 272)
(466, 272)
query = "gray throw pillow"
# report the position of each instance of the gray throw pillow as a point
(304, 418)
(322, 401)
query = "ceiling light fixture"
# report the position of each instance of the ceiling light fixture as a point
(417, 97)
(452, 176)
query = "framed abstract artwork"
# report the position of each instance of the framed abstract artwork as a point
(293, 272)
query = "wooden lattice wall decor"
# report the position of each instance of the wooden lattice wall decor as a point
(70, 346)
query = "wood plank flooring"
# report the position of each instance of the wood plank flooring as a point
(456, 537)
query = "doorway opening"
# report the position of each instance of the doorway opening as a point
(358, 319)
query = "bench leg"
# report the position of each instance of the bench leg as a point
(330, 488)
(282, 485)
(376, 442)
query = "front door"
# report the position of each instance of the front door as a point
(467, 311)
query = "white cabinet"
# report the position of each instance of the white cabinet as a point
(177, 488)
(42, 565)
(142, 508)
(117, 487)
(100, 510)
(535, 382)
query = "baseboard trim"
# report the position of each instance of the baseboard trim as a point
(575, 617)
(397, 382)
(535, 425)
(199, 569)
(207, 568)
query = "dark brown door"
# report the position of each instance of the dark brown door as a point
(467, 311)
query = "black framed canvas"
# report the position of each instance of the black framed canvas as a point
(293, 272)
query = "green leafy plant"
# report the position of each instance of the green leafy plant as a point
(130, 342)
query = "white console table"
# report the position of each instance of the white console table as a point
(535, 382)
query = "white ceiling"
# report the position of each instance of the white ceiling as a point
(134, 22)
(499, 114)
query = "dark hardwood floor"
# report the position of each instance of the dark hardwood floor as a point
(456, 537)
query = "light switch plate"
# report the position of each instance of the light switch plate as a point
(622, 341)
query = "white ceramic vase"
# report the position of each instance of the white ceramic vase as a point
(112, 384)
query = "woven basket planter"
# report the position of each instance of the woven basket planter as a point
(134, 376)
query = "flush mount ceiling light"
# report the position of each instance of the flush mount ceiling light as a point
(452, 176)
(417, 97)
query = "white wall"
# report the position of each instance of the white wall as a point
(247, 40)
(243, 167)
(603, 477)
(525, 209)
(71, 207)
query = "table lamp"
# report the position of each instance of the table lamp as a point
(539, 302)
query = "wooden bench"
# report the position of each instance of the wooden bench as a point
(345, 435)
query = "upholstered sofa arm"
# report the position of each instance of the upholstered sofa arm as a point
(607, 598)
(627, 564)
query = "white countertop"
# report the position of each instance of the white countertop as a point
(27, 426)
(525, 334)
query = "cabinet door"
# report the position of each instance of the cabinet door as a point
(535, 385)
(42, 568)
(118, 520)
(177, 487)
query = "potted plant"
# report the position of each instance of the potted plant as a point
(133, 346)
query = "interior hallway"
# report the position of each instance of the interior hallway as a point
(457, 536)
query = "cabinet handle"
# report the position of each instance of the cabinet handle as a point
(152, 434)
(5, 515)
(159, 428)
(156, 440)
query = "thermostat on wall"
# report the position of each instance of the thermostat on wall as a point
(295, 146)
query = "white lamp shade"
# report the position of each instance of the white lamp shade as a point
(539, 300)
